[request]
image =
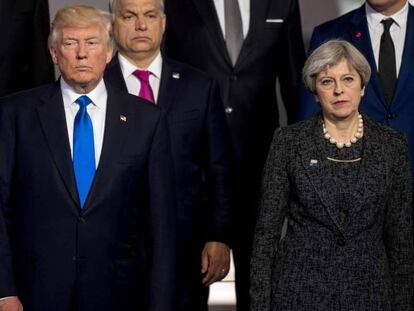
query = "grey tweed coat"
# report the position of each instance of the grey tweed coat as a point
(333, 258)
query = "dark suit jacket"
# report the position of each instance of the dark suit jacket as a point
(271, 50)
(353, 27)
(24, 57)
(119, 247)
(201, 151)
(358, 258)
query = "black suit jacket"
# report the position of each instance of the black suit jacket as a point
(201, 151)
(117, 252)
(24, 57)
(351, 248)
(272, 49)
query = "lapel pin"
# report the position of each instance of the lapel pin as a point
(313, 163)
(122, 118)
(358, 34)
(176, 75)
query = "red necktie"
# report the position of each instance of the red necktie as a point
(146, 91)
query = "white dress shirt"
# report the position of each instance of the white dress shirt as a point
(397, 31)
(244, 11)
(96, 110)
(132, 82)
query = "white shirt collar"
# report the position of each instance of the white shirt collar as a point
(374, 18)
(128, 68)
(70, 96)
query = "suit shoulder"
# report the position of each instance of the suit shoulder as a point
(337, 25)
(27, 97)
(385, 133)
(133, 102)
(188, 71)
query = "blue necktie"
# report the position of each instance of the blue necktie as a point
(83, 149)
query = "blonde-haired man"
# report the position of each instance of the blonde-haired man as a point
(86, 219)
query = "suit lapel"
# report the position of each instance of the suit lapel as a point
(113, 74)
(53, 121)
(314, 163)
(208, 13)
(407, 64)
(170, 84)
(258, 10)
(360, 38)
(116, 131)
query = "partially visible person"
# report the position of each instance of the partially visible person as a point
(343, 181)
(200, 139)
(246, 46)
(24, 58)
(383, 31)
(86, 193)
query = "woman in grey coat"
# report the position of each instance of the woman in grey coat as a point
(343, 183)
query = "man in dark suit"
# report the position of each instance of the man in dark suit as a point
(246, 55)
(200, 142)
(87, 204)
(24, 58)
(364, 28)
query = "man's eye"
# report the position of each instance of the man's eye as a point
(127, 17)
(69, 44)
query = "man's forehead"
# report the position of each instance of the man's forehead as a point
(141, 4)
(82, 31)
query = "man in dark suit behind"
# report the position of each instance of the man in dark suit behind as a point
(246, 55)
(364, 27)
(86, 194)
(200, 142)
(24, 26)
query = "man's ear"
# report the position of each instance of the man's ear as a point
(53, 54)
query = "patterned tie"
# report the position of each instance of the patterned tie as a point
(233, 29)
(83, 149)
(146, 91)
(387, 71)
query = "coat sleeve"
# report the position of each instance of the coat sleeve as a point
(161, 221)
(219, 168)
(7, 284)
(274, 201)
(398, 229)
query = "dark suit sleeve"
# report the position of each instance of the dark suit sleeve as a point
(308, 105)
(291, 62)
(219, 172)
(7, 286)
(398, 229)
(161, 221)
(274, 202)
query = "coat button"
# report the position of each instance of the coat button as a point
(391, 115)
(228, 110)
(340, 242)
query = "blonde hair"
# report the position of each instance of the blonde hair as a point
(80, 16)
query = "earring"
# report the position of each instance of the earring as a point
(363, 91)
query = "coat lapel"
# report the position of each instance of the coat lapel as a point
(171, 78)
(208, 13)
(314, 163)
(407, 64)
(258, 10)
(116, 131)
(113, 74)
(53, 121)
(360, 38)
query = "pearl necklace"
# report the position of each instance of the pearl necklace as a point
(358, 135)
